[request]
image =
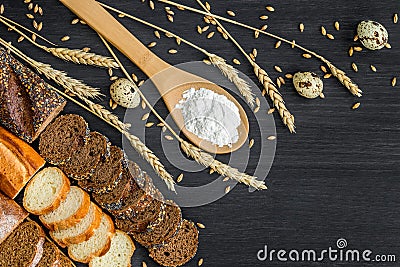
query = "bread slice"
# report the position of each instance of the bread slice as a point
(81, 231)
(65, 262)
(24, 247)
(70, 212)
(62, 138)
(119, 254)
(97, 245)
(11, 215)
(181, 248)
(163, 231)
(46, 190)
(51, 255)
(84, 160)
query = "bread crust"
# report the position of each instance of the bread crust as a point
(73, 219)
(57, 201)
(84, 236)
(23, 157)
(39, 246)
(11, 218)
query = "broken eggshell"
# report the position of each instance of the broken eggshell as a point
(308, 84)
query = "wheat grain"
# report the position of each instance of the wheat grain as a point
(306, 55)
(388, 46)
(358, 48)
(271, 137)
(323, 30)
(30, 6)
(152, 44)
(149, 124)
(373, 68)
(301, 27)
(327, 75)
(179, 178)
(323, 68)
(231, 13)
(395, 18)
(145, 116)
(151, 5)
(172, 51)
(355, 38)
(227, 189)
(394, 81)
(169, 138)
(356, 105)
(263, 17)
(200, 225)
(337, 25)
(236, 61)
(354, 66)
(270, 8)
(157, 34)
(278, 44)
(210, 35)
(30, 16)
(330, 36)
(351, 51)
(36, 8)
(271, 110)
(200, 262)
(289, 76)
(251, 143)
(65, 38)
(144, 264)
(277, 68)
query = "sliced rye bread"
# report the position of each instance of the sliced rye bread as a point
(24, 247)
(97, 245)
(107, 173)
(11, 215)
(119, 254)
(65, 261)
(45, 191)
(84, 160)
(180, 249)
(163, 231)
(81, 231)
(62, 138)
(113, 200)
(51, 255)
(143, 220)
(70, 212)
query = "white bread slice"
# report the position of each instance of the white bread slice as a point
(81, 231)
(119, 254)
(70, 212)
(97, 245)
(46, 190)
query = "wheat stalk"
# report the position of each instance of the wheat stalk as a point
(233, 75)
(191, 150)
(228, 70)
(339, 74)
(207, 160)
(275, 96)
(76, 56)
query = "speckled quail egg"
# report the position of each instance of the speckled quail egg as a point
(123, 93)
(372, 34)
(308, 84)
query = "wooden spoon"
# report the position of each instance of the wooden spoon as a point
(170, 81)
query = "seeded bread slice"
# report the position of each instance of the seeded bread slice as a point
(120, 253)
(81, 231)
(84, 160)
(65, 261)
(46, 190)
(181, 249)
(97, 245)
(24, 247)
(62, 138)
(51, 255)
(70, 212)
(107, 173)
(163, 231)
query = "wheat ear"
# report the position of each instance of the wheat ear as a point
(339, 74)
(207, 160)
(191, 150)
(76, 56)
(228, 70)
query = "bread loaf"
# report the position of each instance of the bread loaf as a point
(45, 191)
(27, 103)
(51, 255)
(11, 215)
(18, 162)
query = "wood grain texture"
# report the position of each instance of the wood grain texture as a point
(337, 177)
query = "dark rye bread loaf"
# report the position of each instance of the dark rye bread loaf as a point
(113, 199)
(144, 220)
(24, 247)
(181, 248)
(62, 138)
(163, 231)
(84, 160)
(27, 103)
(51, 255)
(107, 173)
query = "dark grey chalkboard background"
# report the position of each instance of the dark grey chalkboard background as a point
(338, 177)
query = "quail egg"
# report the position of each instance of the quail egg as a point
(123, 93)
(372, 34)
(308, 84)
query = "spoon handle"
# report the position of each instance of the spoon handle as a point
(114, 32)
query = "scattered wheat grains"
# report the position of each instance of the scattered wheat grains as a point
(211, 171)
(256, 34)
(160, 124)
(86, 49)
(144, 264)
(251, 143)
(256, 109)
(356, 105)
(351, 51)
(151, 5)
(30, 16)
(278, 83)
(301, 27)
(281, 80)
(1, 9)
(327, 76)
(210, 35)
(200, 262)
(226, 179)
(114, 106)
(65, 38)
(394, 81)
(323, 68)
(236, 61)
(208, 7)
(110, 72)
(270, 8)
(170, 18)
(35, 25)
(373, 68)
(82, 22)
(388, 46)
(355, 38)
(141, 83)
(134, 77)
(152, 44)
(231, 13)
(354, 66)
(157, 34)
(111, 102)
(323, 30)
(277, 68)
(263, 17)
(358, 48)
(395, 18)
(306, 55)
(27, 1)
(258, 102)
(33, 37)
(200, 225)
(149, 124)
(121, 15)
(172, 51)
(36, 8)
(179, 178)
(145, 116)
(169, 138)
(271, 110)
(278, 44)
(271, 137)
(337, 25)
(143, 104)
(20, 39)
(255, 52)
(164, 128)
(227, 189)
(330, 36)
(113, 78)
(41, 11)
(74, 21)
(30, 6)
(200, 31)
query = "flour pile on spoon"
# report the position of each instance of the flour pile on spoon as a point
(210, 116)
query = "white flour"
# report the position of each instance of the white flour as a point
(210, 116)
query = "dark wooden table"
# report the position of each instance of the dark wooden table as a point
(338, 177)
